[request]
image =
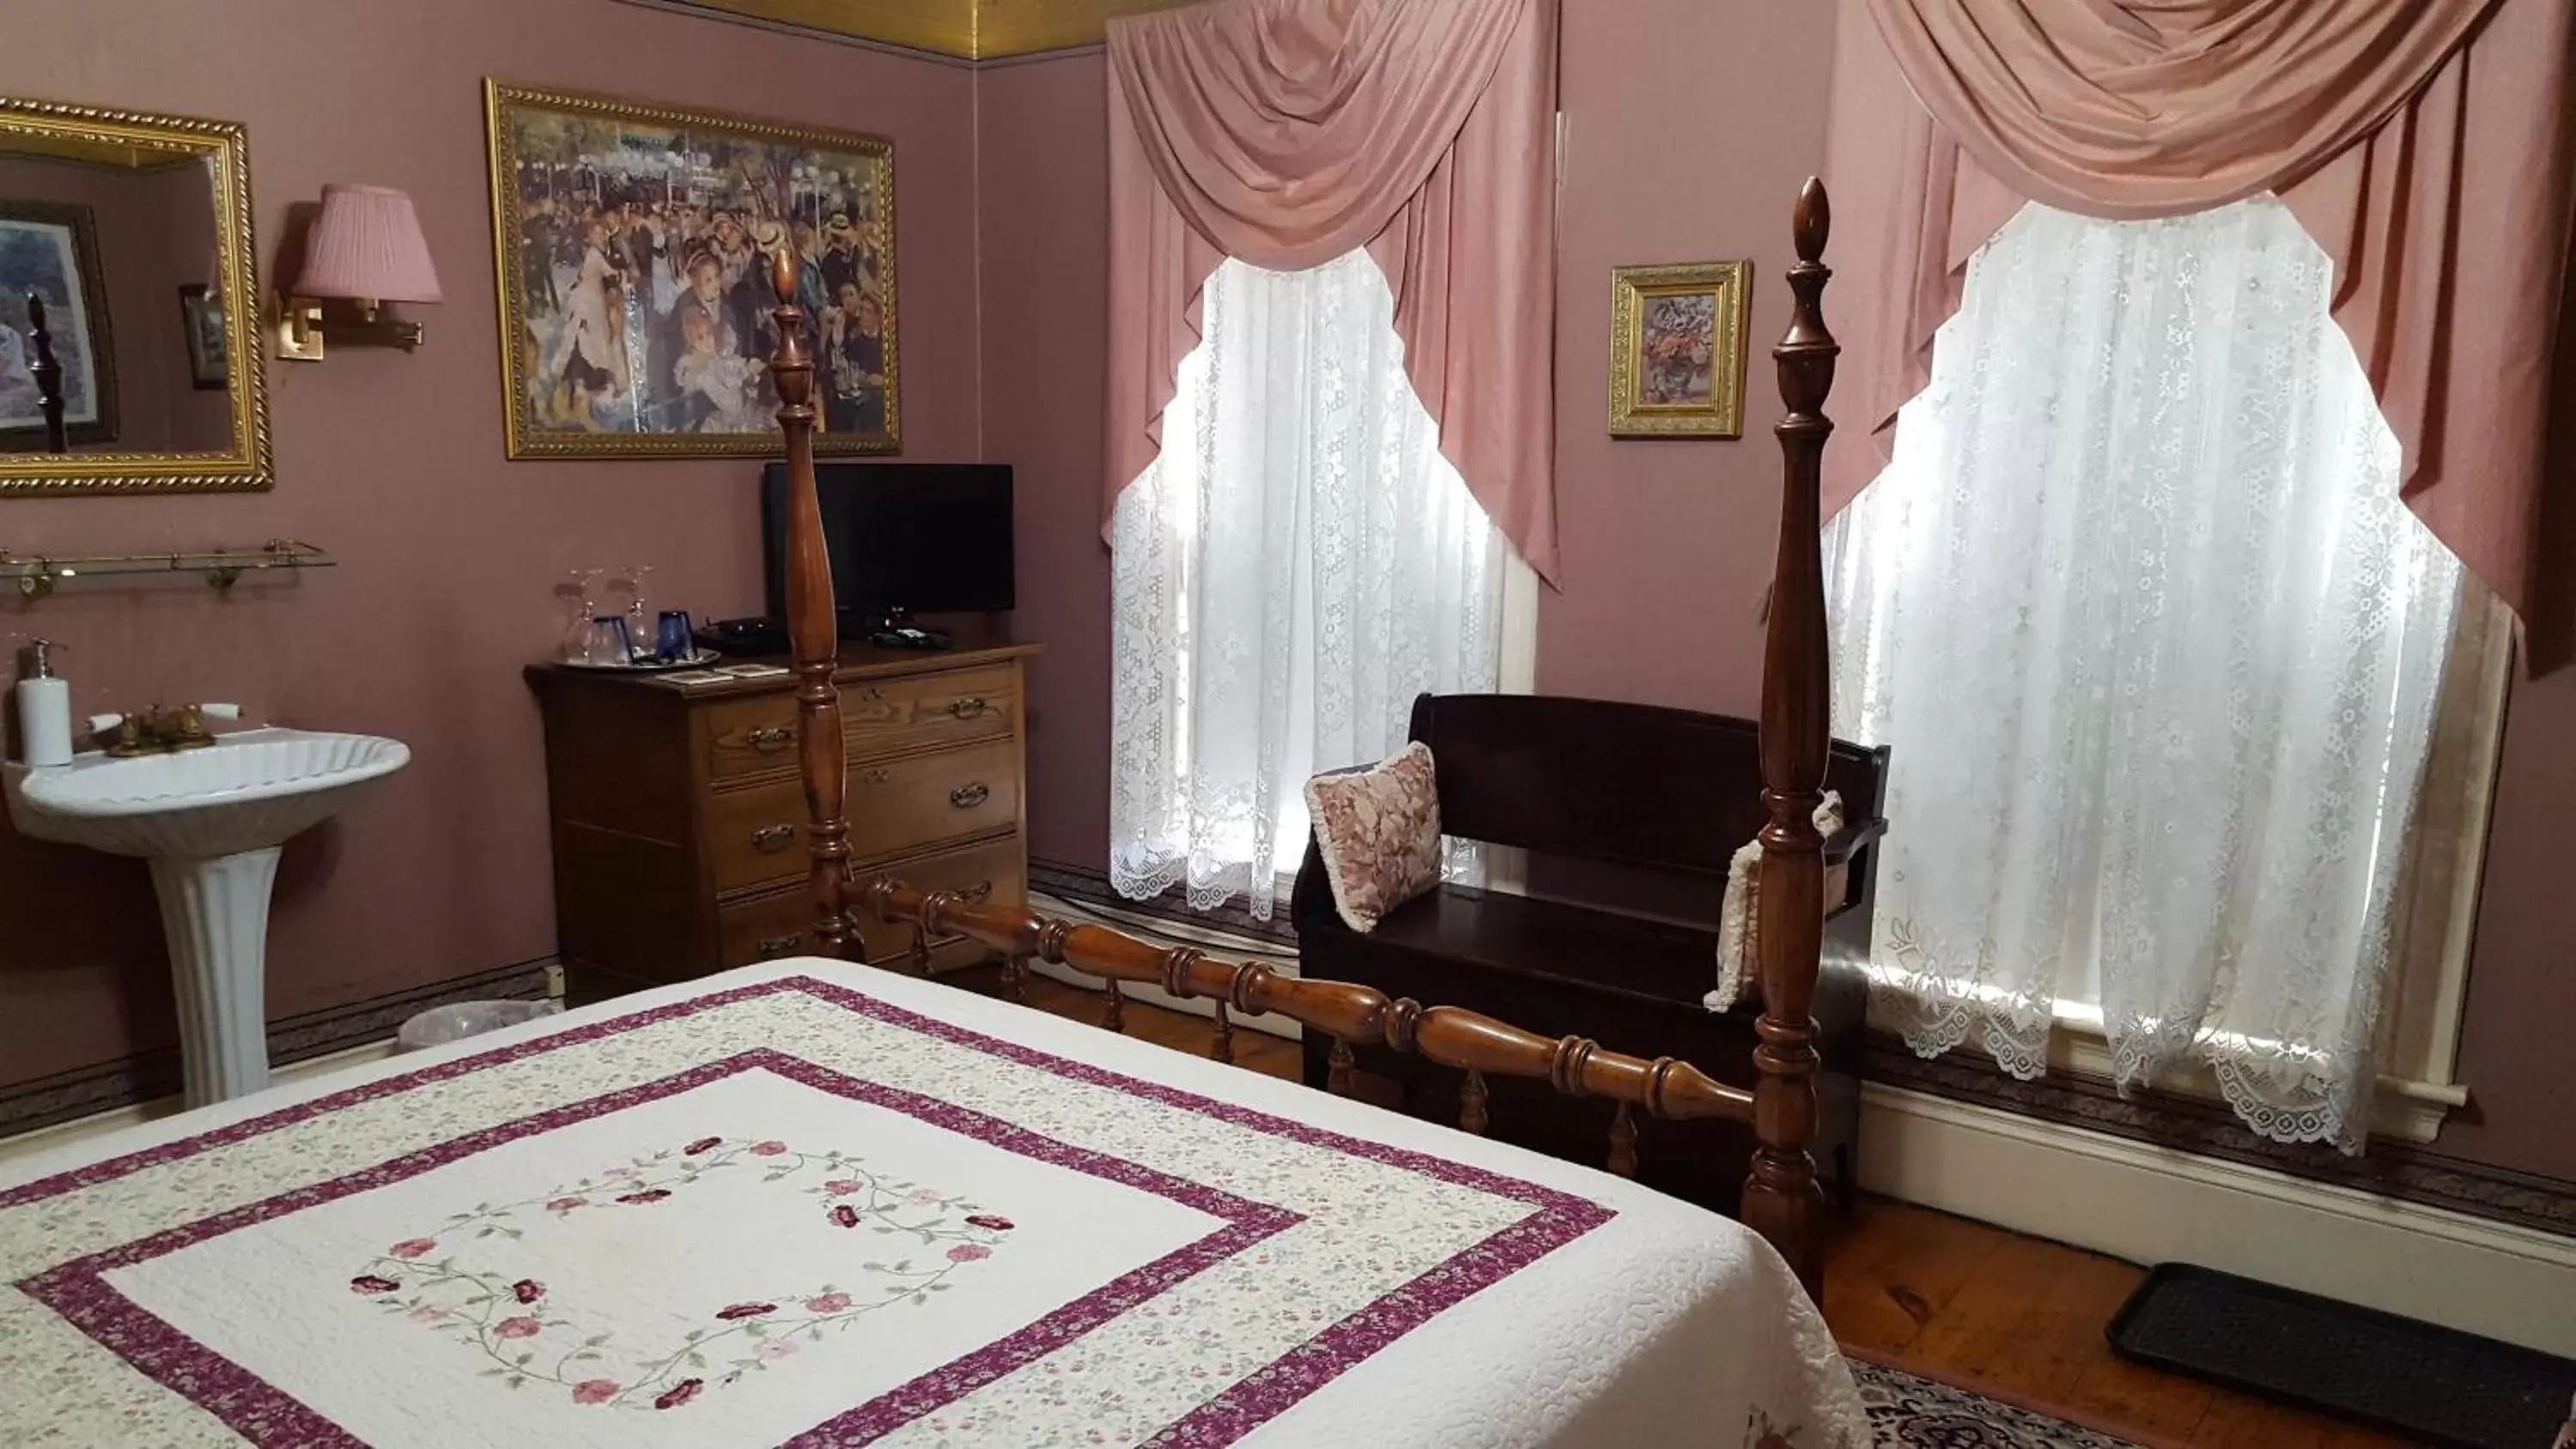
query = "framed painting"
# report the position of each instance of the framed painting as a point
(632, 242)
(51, 251)
(1677, 350)
(201, 324)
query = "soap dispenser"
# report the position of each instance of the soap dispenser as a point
(44, 709)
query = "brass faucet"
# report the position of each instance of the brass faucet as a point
(160, 732)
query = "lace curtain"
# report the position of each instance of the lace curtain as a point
(2157, 649)
(1295, 567)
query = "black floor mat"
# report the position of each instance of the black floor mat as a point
(2433, 1384)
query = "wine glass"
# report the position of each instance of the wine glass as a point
(621, 598)
(578, 594)
(639, 614)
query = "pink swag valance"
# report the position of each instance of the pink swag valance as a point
(2421, 142)
(1289, 132)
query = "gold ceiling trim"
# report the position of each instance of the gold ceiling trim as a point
(961, 29)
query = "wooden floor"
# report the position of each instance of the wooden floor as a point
(2012, 1316)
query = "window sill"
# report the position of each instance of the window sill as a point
(2404, 1110)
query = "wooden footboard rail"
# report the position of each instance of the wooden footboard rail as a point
(1781, 1199)
(1449, 1035)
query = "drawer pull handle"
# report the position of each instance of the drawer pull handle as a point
(779, 945)
(771, 839)
(970, 795)
(876, 775)
(967, 708)
(977, 893)
(770, 739)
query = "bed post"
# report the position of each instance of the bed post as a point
(1781, 1198)
(47, 374)
(812, 630)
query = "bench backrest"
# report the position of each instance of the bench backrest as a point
(1600, 780)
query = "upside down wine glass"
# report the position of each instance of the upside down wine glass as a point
(639, 615)
(579, 594)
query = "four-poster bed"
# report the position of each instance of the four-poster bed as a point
(1781, 1198)
(820, 1204)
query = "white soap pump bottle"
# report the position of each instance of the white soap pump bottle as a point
(44, 709)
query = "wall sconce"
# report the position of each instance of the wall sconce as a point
(366, 249)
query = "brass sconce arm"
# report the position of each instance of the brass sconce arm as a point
(302, 328)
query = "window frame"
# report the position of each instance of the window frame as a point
(2433, 928)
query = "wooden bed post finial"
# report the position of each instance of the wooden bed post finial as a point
(813, 627)
(47, 373)
(1781, 1198)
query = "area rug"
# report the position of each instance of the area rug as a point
(1910, 1412)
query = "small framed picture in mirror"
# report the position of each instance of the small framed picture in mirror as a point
(201, 324)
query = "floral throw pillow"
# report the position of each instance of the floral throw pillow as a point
(1378, 830)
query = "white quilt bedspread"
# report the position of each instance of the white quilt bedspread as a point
(811, 1204)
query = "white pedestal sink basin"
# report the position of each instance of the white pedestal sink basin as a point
(210, 821)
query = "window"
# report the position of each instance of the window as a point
(1299, 563)
(2161, 658)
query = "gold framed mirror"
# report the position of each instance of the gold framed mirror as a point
(133, 231)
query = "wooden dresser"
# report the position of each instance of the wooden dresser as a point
(679, 825)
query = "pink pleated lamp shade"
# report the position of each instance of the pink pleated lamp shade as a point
(367, 244)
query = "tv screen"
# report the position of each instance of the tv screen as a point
(921, 538)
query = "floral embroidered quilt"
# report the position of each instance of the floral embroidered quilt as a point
(817, 1205)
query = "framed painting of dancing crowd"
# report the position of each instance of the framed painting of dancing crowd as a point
(1677, 350)
(635, 310)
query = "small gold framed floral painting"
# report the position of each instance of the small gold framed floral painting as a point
(1677, 350)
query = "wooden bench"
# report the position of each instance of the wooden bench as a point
(1630, 814)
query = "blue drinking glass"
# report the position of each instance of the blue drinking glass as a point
(671, 640)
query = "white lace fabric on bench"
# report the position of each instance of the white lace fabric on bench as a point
(1735, 943)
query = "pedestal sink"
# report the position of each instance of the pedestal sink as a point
(211, 822)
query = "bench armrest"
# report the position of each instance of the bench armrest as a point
(1843, 844)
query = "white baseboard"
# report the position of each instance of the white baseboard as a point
(1165, 933)
(2151, 1205)
(27, 1144)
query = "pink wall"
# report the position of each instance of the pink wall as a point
(2522, 972)
(395, 464)
(1689, 126)
(1044, 188)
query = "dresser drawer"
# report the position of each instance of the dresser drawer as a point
(757, 836)
(888, 716)
(748, 736)
(881, 717)
(767, 927)
(904, 804)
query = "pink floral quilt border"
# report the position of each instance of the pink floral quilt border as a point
(267, 1416)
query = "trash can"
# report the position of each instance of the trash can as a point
(443, 1024)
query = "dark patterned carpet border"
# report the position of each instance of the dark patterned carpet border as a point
(1907, 1411)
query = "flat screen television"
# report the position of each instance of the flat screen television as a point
(904, 539)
